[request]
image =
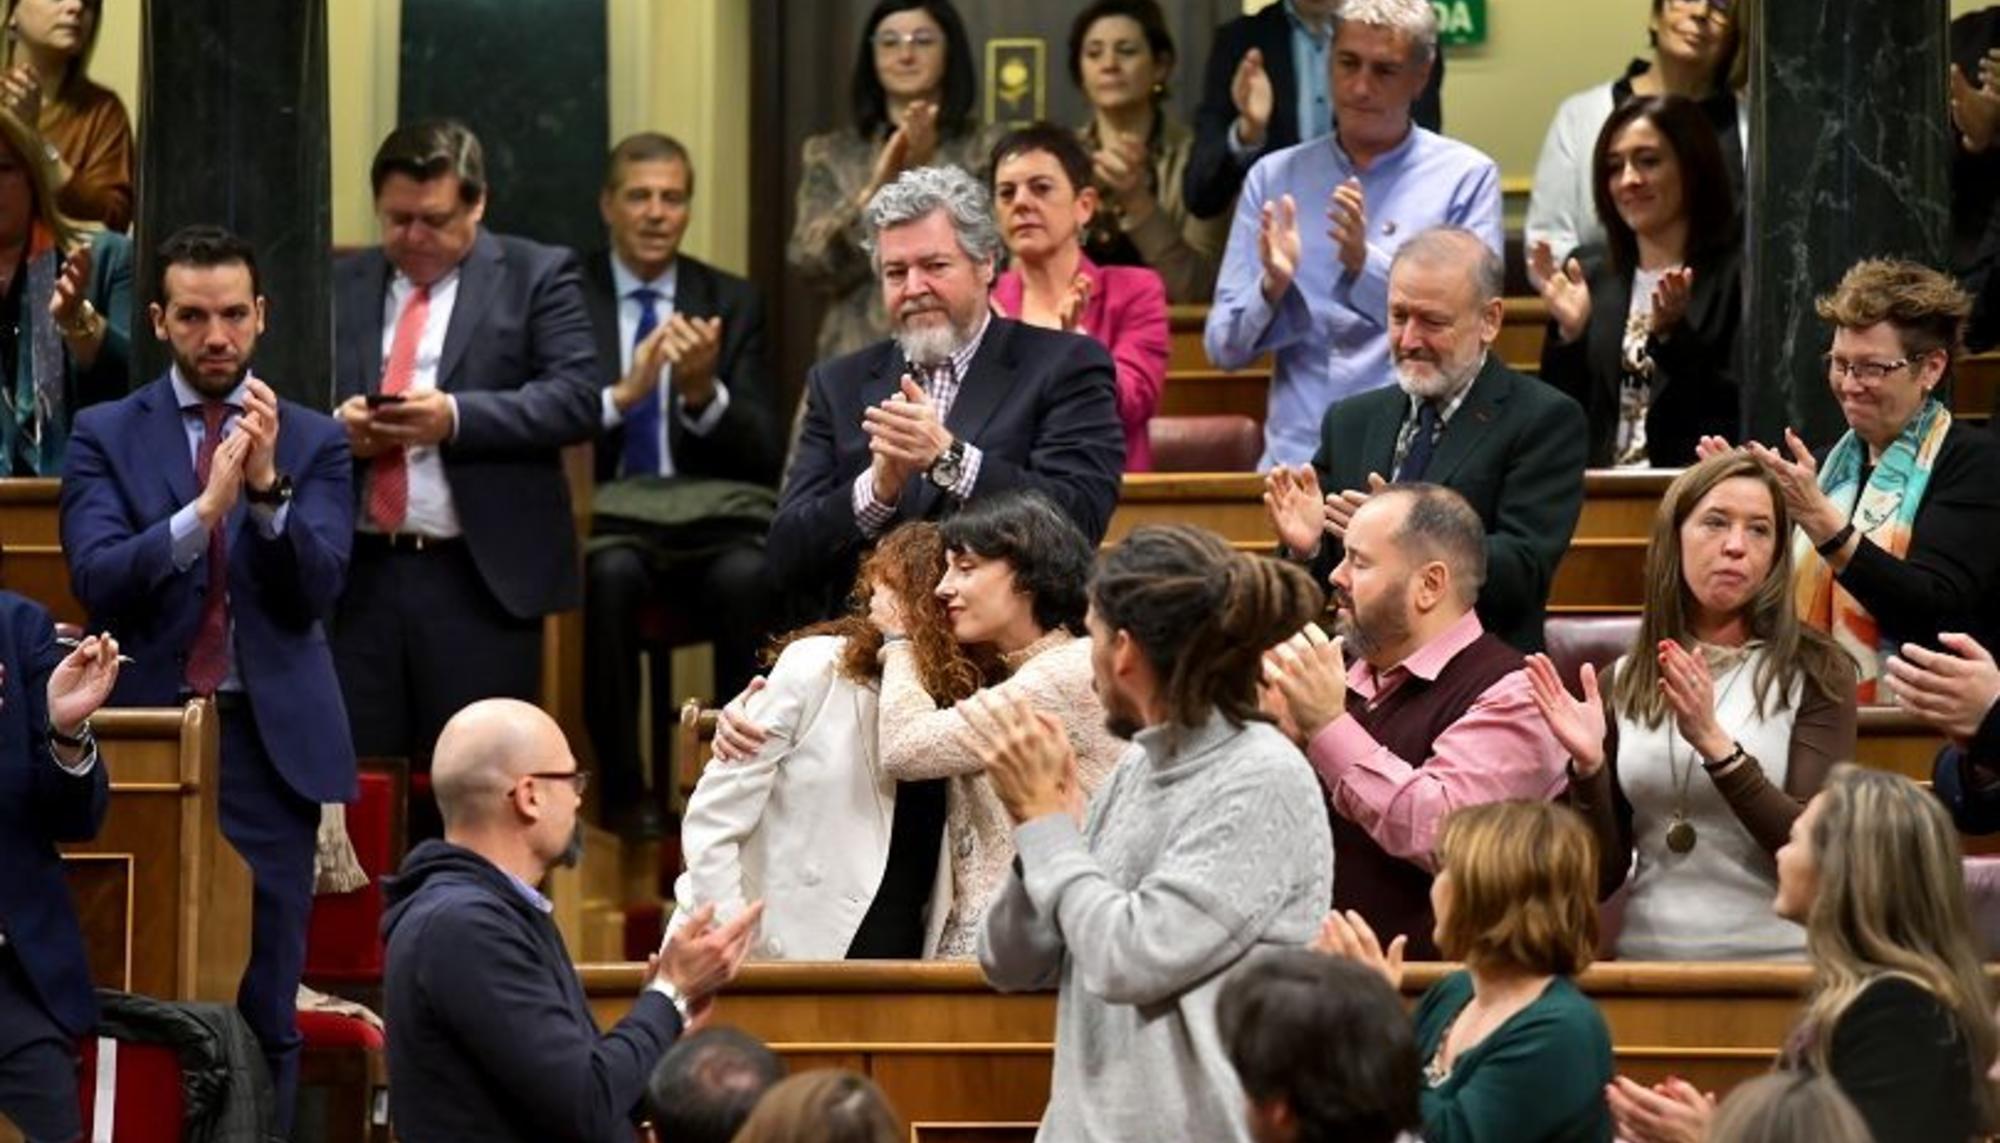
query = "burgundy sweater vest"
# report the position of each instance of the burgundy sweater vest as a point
(1393, 894)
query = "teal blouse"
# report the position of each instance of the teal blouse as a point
(1538, 1078)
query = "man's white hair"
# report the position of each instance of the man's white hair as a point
(1416, 19)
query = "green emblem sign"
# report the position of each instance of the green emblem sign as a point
(1461, 22)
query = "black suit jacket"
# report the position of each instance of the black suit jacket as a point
(519, 360)
(746, 444)
(1696, 390)
(1514, 450)
(40, 805)
(1040, 405)
(1213, 177)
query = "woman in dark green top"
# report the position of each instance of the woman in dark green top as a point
(1513, 1052)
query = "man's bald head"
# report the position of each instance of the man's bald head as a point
(481, 752)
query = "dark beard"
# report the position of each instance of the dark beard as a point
(191, 373)
(573, 852)
(1122, 726)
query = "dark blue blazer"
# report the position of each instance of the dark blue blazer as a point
(519, 360)
(129, 470)
(41, 805)
(1041, 405)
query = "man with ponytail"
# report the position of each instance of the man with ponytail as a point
(1436, 714)
(1207, 843)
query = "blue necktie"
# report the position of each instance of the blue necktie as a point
(1419, 457)
(642, 423)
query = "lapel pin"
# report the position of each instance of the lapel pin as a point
(1389, 227)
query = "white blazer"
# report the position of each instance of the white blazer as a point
(804, 823)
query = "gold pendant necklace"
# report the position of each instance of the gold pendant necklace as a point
(1681, 834)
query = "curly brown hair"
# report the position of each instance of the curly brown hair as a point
(909, 562)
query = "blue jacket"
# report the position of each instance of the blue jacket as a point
(490, 1035)
(129, 470)
(41, 805)
(1967, 779)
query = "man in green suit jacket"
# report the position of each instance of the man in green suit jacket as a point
(1512, 446)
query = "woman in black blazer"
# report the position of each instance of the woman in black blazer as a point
(1642, 330)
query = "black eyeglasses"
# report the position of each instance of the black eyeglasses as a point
(580, 778)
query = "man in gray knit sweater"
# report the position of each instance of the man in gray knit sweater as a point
(1209, 841)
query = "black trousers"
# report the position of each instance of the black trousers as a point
(417, 638)
(38, 1088)
(727, 599)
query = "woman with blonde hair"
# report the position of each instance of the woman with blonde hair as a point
(1513, 1051)
(826, 1105)
(803, 822)
(1899, 1015)
(1716, 728)
(1788, 1107)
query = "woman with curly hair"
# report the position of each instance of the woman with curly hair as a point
(804, 821)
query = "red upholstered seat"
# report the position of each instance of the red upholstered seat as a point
(1574, 640)
(331, 1030)
(344, 943)
(146, 1105)
(1215, 443)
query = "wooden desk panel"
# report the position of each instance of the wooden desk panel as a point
(164, 901)
(970, 1063)
(31, 559)
(1209, 392)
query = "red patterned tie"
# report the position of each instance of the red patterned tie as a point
(389, 472)
(208, 658)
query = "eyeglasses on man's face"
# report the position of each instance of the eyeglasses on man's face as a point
(579, 778)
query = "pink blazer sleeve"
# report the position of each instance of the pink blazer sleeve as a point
(1128, 313)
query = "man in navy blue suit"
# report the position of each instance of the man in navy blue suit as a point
(207, 524)
(51, 789)
(463, 362)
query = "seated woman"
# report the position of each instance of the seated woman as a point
(913, 95)
(1722, 721)
(1896, 522)
(1512, 1050)
(803, 823)
(1015, 582)
(1642, 330)
(1121, 56)
(1900, 1012)
(85, 123)
(825, 1105)
(1696, 54)
(1043, 197)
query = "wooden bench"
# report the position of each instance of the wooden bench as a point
(163, 899)
(953, 1054)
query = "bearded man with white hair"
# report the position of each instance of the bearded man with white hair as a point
(957, 403)
(1513, 447)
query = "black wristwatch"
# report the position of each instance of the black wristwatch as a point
(280, 492)
(82, 739)
(949, 467)
(1836, 541)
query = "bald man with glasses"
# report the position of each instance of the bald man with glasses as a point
(490, 1034)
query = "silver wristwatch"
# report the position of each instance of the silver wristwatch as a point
(949, 468)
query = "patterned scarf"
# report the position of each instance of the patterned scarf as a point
(1882, 511)
(40, 425)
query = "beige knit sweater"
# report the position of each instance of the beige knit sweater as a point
(919, 740)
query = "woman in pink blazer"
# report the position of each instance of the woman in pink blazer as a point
(1042, 191)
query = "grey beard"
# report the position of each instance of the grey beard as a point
(930, 344)
(1444, 386)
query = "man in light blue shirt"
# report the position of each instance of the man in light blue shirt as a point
(1317, 297)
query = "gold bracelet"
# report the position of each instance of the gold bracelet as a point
(88, 322)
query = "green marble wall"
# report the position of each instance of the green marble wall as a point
(528, 76)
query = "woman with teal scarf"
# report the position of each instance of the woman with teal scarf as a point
(1899, 525)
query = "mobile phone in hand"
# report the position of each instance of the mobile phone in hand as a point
(377, 400)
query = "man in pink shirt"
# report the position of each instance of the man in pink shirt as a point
(1433, 715)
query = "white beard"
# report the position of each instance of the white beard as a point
(930, 343)
(1438, 384)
